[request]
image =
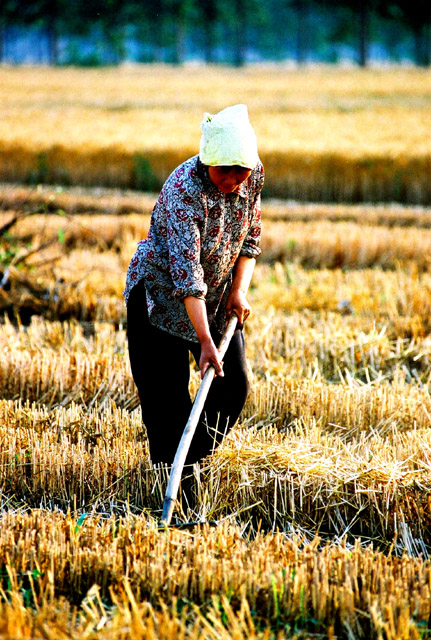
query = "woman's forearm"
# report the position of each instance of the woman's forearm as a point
(237, 300)
(197, 312)
(243, 272)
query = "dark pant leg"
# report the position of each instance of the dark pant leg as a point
(225, 400)
(160, 369)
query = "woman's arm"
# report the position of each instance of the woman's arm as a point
(244, 266)
(197, 311)
(237, 301)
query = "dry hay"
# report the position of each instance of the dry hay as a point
(395, 302)
(60, 362)
(79, 455)
(116, 202)
(375, 487)
(328, 459)
(321, 241)
(74, 200)
(380, 403)
(349, 410)
(334, 440)
(345, 244)
(313, 243)
(56, 364)
(212, 584)
(81, 270)
(386, 215)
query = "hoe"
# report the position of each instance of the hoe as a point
(190, 428)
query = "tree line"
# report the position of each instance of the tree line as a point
(222, 31)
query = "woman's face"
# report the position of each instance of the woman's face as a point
(228, 179)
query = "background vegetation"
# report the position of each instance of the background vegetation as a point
(96, 32)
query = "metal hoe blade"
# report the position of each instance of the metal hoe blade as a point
(190, 428)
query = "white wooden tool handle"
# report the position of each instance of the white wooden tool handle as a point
(190, 428)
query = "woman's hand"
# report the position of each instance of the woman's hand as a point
(210, 356)
(237, 302)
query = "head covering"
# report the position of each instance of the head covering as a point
(228, 139)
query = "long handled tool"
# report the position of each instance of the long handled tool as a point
(190, 428)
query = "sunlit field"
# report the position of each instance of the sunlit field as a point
(321, 493)
(325, 134)
(317, 504)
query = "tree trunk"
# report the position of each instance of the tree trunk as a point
(240, 24)
(364, 27)
(180, 41)
(209, 19)
(422, 40)
(3, 35)
(159, 39)
(301, 31)
(428, 37)
(420, 48)
(52, 35)
(115, 38)
(427, 59)
(209, 42)
(239, 47)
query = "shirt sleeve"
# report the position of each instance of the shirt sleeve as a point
(251, 245)
(183, 214)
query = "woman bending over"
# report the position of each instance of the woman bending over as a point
(186, 278)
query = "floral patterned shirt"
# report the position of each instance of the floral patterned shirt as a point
(196, 234)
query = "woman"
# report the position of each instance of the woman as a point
(187, 277)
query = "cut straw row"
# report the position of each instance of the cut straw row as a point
(359, 243)
(212, 585)
(321, 477)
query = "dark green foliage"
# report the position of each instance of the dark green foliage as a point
(228, 31)
(144, 178)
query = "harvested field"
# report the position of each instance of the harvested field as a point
(213, 585)
(238, 588)
(321, 493)
(102, 200)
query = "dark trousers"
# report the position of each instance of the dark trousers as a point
(161, 371)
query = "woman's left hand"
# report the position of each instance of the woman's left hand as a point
(237, 302)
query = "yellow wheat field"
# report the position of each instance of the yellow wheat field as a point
(154, 107)
(324, 133)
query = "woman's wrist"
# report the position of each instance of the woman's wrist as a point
(205, 340)
(238, 288)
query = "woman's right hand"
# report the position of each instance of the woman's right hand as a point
(210, 356)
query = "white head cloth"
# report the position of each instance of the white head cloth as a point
(228, 139)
